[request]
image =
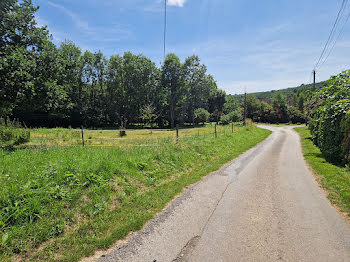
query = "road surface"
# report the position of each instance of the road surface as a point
(263, 206)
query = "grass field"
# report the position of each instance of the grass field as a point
(138, 137)
(61, 203)
(334, 179)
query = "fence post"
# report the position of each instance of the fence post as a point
(177, 133)
(82, 135)
(215, 132)
(232, 127)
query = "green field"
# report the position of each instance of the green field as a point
(335, 179)
(134, 137)
(61, 203)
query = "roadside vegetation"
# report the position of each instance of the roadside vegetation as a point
(326, 141)
(62, 203)
(330, 119)
(334, 179)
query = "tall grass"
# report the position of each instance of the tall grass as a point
(63, 203)
(12, 133)
(335, 179)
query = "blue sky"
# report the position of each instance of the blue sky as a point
(260, 45)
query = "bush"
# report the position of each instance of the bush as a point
(233, 116)
(345, 125)
(326, 129)
(12, 133)
(330, 124)
(201, 115)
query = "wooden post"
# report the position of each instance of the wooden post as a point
(215, 132)
(177, 133)
(245, 108)
(82, 135)
(232, 127)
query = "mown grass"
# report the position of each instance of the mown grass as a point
(335, 179)
(63, 203)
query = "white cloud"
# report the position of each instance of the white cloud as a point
(177, 2)
(76, 19)
(115, 32)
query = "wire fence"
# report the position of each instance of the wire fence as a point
(132, 137)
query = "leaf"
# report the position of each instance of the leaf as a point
(4, 238)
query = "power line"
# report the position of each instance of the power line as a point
(340, 32)
(331, 33)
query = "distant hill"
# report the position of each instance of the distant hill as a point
(288, 92)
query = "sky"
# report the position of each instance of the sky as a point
(252, 44)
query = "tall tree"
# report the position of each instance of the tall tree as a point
(172, 82)
(194, 80)
(21, 44)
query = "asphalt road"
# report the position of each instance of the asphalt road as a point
(263, 206)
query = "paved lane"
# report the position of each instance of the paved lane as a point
(263, 206)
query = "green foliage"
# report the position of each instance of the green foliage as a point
(289, 93)
(12, 133)
(328, 126)
(148, 114)
(230, 105)
(279, 111)
(201, 115)
(345, 127)
(231, 117)
(45, 85)
(252, 106)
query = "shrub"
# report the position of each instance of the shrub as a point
(330, 125)
(12, 133)
(327, 132)
(233, 116)
(201, 115)
(345, 125)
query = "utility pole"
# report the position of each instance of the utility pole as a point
(245, 106)
(314, 73)
(165, 4)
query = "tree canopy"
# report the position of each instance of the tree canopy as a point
(47, 85)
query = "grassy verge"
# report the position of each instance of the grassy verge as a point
(63, 203)
(334, 179)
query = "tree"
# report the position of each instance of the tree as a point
(230, 105)
(252, 107)
(280, 106)
(231, 117)
(45, 85)
(21, 45)
(197, 92)
(301, 101)
(172, 82)
(216, 101)
(148, 114)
